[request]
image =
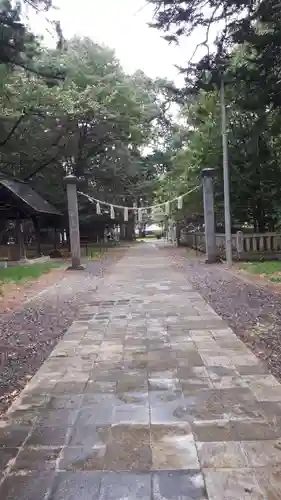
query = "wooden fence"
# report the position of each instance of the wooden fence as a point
(243, 244)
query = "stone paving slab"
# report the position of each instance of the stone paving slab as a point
(149, 396)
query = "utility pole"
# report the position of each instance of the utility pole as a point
(227, 218)
(209, 215)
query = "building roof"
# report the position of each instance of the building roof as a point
(18, 198)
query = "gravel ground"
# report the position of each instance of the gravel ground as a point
(29, 334)
(252, 310)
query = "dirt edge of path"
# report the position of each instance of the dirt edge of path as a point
(252, 308)
(30, 331)
(14, 295)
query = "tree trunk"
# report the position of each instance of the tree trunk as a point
(36, 224)
(122, 231)
(130, 230)
(259, 217)
(178, 233)
(20, 240)
(261, 221)
(55, 238)
(68, 239)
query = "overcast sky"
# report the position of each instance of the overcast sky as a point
(122, 25)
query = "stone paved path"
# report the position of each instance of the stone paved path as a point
(149, 396)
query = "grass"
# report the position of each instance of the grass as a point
(147, 238)
(21, 274)
(103, 244)
(95, 253)
(269, 269)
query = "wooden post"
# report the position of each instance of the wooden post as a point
(248, 243)
(239, 243)
(74, 233)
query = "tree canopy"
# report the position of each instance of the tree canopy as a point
(73, 109)
(19, 45)
(97, 122)
(246, 55)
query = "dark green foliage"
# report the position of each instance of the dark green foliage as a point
(19, 46)
(247, 55)
(97, 123)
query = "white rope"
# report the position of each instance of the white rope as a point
(122, 207)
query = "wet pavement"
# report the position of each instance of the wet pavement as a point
(148, 396)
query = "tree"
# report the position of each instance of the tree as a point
(254, 151)
(252, 25)
(98, 123)
(19, 45)
(246, 54)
